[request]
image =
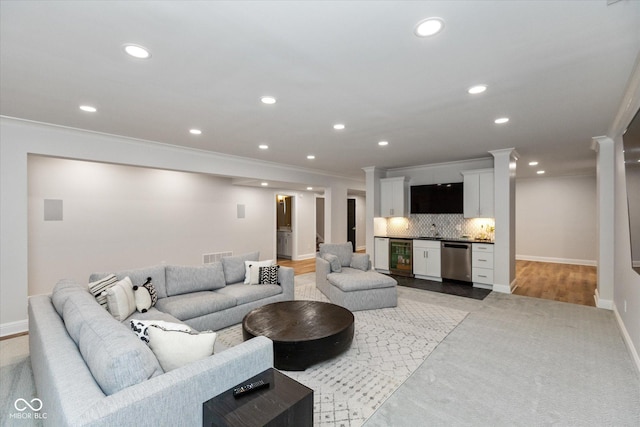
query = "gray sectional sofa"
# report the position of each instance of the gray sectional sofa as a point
(92, 370)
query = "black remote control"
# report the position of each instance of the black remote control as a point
(248, 388)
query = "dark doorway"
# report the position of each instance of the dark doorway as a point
(351, 222)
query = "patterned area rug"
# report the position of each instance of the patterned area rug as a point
(388, 346)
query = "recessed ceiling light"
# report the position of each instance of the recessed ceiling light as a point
(429, 27)
(338, 126)
(540, 172)
(383, 143)
(268, 100)
(263, 146)
(533, 163)
(311, 157)
(88, 108)
(195, 131)
(264, 184)
(309, 188)
(474, 90)
(137, 51)
(501, 120)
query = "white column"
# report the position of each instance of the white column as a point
(372, 177)
(504, 251)
(605, 178)
(335, 209)
(13, 245)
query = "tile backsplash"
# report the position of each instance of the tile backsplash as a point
(446, 225)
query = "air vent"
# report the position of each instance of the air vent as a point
(214, 257)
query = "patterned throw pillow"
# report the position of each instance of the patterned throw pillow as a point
(99, 288)
(252, 270)
(141, 327)
(145, 296)
(269, 275)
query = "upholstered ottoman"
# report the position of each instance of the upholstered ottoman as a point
(363, 291)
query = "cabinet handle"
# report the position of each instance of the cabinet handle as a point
(483, 260)
(426, 254)
(482, 275)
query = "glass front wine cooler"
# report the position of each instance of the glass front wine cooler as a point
(400, 253)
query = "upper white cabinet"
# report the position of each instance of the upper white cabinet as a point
(393, 197)
(478, 193)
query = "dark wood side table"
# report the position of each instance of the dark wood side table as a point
(285, 403)
(303, 332)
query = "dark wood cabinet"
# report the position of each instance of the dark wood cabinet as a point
(285, 402)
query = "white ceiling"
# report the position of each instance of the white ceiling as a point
(557, 69)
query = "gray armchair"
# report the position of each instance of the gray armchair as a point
(338, 258)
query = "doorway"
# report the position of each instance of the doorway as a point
(284, 230)
(319, 222)
(351, 222)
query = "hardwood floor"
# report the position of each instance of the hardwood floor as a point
(299, 267)
(575, 284)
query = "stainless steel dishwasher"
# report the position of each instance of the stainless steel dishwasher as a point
(456, 261)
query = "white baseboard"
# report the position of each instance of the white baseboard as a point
(588, 262)
(635, 264)
(482, 286)
(304, 256)
(606, 304)
(12, 328)
(627, 339)
(505, 289)
(432, 278)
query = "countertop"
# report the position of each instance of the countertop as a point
(446, 239)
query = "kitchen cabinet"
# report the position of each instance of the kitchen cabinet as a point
(381, 253)
(394, 197)
(426, 259)
(285, 244)
(478, 193)
(482, 265)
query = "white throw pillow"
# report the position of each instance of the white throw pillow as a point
(252, 270)
(141, 327)
(174, 349)
(121, 302)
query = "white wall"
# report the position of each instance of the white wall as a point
(19, 138)
(118, 217)
(556, 219)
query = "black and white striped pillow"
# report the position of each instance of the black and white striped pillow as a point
(99, 288)
(268, 275)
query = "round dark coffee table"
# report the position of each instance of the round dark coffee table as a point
(303, 332)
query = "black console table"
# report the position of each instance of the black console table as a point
(285, 402)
